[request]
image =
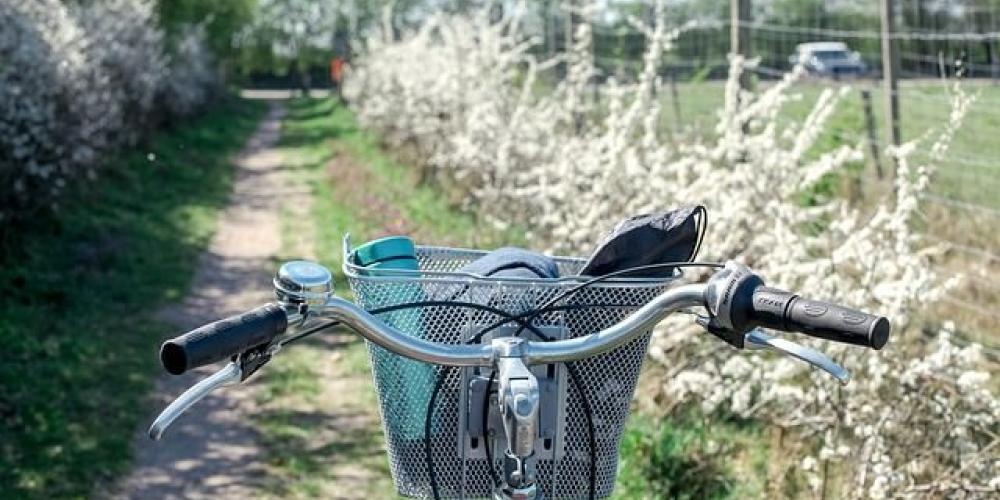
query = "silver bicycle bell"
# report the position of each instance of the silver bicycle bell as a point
(303, 282)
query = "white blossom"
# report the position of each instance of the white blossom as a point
(75, 82)
(461, 92)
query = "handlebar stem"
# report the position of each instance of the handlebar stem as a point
(518, 399)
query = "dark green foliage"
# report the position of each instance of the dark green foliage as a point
(670, 459)
(223, 20)
(81, 287)
(692, 456)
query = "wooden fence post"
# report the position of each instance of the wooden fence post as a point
(890, 70)
(866, 98)
(739, 33)
(677, 101)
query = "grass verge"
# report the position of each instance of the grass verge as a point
(686, 456)
(76, 325)
(319, 423)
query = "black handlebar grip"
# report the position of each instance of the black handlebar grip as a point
(781, 310)
(222, 339)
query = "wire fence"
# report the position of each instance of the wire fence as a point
(935, 42)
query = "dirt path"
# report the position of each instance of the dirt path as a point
(212, 451)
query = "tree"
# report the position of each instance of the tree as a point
(221, 20)
(296, 34)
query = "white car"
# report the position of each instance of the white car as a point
(830, 59)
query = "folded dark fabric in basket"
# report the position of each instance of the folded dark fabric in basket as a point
(513, 262)
(511, 297)
(672, 236)
(641, 240)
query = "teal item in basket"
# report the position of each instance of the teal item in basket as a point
(409, 383)
(391, 252)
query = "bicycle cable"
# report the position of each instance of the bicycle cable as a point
(524, 320)
(574, 379)
(441, 376)
(409, 305)
(545, 308)
(402, 306)
(574, 375)
(631, 270)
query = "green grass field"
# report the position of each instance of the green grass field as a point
(971, 172)
(76, 323)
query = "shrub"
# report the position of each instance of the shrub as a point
(76, 82)
(56, 104)
(123, 41)
(193, 76)
(666, 460)
(462, 91)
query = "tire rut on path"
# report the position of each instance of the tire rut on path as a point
(212, 451)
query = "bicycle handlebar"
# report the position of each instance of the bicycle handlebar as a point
(736, 298)
(224, 338)
(786, 311)
(373, 329)
(740, 302)
(535, 352)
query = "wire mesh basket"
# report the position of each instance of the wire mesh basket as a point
(447, 447)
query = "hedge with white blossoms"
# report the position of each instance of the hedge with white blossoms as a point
(77, 81)
(918, 417)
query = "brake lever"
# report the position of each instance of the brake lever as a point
(230, 374)
(757, 339)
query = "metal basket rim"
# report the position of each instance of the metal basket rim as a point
(356, 272)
